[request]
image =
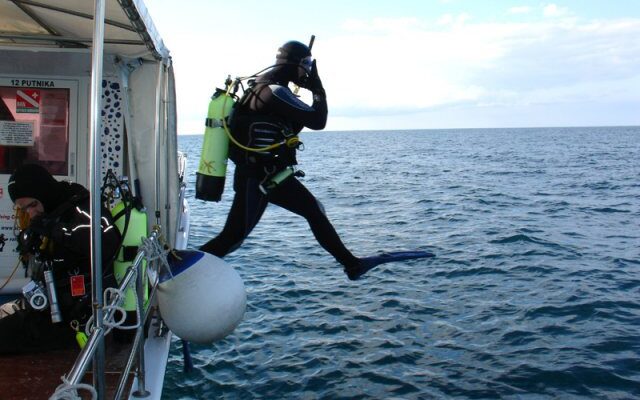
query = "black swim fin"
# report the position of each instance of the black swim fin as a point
(365, 264)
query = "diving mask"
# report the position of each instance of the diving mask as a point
(307, 64)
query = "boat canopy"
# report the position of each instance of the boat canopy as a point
(129, 30)
(46, 46)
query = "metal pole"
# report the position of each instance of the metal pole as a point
(159, 101)
(124, 376)
(167, 158)
(141, 370)
(126, 68)
(94, 178)
(82, 363)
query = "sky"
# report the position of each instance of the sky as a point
(423, 64)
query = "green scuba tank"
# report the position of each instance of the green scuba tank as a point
(215, 147)
(136, 230)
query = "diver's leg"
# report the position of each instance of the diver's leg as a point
(294, 196)
(246, 210)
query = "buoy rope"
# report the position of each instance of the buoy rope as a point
(109, 295)
(118, 307)
(67, 391)
(154, 250)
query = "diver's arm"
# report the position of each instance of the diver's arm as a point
(282, 101)
(72, 238)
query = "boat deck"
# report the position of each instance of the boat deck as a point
(36, 376)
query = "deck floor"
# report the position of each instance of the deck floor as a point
(36, 376)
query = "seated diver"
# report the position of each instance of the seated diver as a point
(55, 231)
(269, 112)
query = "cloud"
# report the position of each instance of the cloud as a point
(382, 26)
(414, 59)
(520, 10)
(377, 68)
(453, 20)
(407, 66)
(552, 10)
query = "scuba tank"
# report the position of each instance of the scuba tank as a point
(130, 219)
(215, 148)
(133, 230)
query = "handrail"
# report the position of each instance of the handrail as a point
(136, 342)
(141, 391)
(95, 249)
(86, 355)
(125, 372)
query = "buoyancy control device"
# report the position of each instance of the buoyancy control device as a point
(212, 169)
(215, 148)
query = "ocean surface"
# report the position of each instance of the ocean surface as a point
(534, 292)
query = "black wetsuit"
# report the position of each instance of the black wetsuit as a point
(269, 113)
(28, 330)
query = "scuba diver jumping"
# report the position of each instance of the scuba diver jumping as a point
(264, 125)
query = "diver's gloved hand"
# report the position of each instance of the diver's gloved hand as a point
(28, 242)
(314, 84)
(40, 225)
(30, 239)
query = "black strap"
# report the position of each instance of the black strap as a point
(129, 253)
(127, 207)
(213, 123)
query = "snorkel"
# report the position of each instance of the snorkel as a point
(296, 89)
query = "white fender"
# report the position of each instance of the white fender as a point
(205, 300)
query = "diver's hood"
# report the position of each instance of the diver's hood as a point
(292, 52)
(288, 67)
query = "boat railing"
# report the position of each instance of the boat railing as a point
(152, 251)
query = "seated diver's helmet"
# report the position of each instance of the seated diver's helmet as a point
(297, 57)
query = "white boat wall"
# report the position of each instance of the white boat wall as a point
(48, 90)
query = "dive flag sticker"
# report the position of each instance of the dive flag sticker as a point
(77, 285)
(28, 101)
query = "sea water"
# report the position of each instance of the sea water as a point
(534, 292)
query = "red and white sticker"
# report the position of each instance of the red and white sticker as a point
(28, 101)
(77, 285)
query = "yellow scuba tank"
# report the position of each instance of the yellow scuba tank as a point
(136, 230)
(215, 148)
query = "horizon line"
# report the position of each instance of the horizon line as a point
(452, 129)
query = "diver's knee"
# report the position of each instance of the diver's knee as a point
(321, 207)
(235, 246)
